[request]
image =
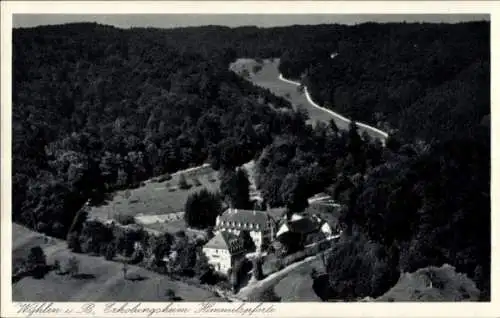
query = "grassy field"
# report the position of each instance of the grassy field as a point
(99, 280)
(24, 239)
(292, 283)
(157, 197)
(170, 227)
(268, 78)
(297, 286)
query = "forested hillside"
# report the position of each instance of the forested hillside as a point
(97, 108)
(423, 80)
(394, 75)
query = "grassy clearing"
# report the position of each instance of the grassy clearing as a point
(298, 285)
(170, 227)
(300, 282)
(158, 197)
(99, 280)
(268, 78)
(24, 239)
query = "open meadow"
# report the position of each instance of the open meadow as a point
(298, 284)
(157, 196)
(268, 77)
(97, 279)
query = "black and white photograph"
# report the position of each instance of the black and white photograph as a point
(261, 158)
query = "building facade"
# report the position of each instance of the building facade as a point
(223, 250)
(259, 225)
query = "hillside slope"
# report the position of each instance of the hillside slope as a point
(407, 77)
(433, 284)
(98, 279)
(96, 109)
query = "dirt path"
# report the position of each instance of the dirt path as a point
(270, 78)
(274, 278)
(372, 131)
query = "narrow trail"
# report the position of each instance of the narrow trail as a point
(270, 78)
(382, 135)
(274, 278)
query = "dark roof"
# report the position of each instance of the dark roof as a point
(226, 240)
(244, 220)
(276, 213)
(304, 225)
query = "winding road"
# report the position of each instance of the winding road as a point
(270, 78)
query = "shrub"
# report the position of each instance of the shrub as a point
(212, 178)
(110, 251)
(257, 268)
(165, 177)
(89, 246)
(170, 294)
(57, 266)
(42, 227)
(74, 242)
(183, 184)
(245, 73)
(36, 257)
(257, 68)
(126, 194)
(37, 262)
(196, 182)
(72, 266)
(124, 219)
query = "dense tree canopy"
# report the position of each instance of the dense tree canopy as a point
(295, 167)
(235, 188)
(202, 209)
(96, 108)
(423, 80)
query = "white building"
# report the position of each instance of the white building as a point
(302, 226)
(259, 224)
(222, 251)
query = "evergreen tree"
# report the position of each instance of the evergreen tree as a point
(202, 208)
(110, 252)
(235, 186)
(72, 266)
(37, 261)
(74, 242)
(182, 183)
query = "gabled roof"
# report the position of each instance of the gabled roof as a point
(226, 241)
(302, 225)
(244, 220)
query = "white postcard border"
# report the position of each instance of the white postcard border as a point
(97, 309)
